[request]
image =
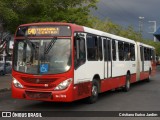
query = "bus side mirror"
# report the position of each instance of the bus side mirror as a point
(8, 46)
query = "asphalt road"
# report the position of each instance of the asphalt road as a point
(5, 82)
(143, 96)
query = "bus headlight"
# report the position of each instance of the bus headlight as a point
(63, 85)
(17, 84)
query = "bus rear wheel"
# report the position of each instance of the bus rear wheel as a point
(149, 77)
(127, 84)
(94, 92)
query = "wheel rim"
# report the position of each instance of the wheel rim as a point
(149, 77)
(94, 90)
(128, 84)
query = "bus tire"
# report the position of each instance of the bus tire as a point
(127, 83)
(94, 92)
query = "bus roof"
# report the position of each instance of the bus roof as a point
(48, 23)
(88, 30)
(145, 45)
(105, 34)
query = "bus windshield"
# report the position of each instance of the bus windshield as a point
(42, 56)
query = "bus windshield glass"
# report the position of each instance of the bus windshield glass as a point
(42, 56)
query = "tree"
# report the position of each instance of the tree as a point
(129, 32)
(106, 26)
(15, 12)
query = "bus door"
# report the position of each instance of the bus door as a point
(107, 58)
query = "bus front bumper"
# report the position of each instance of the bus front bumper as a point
(43, 95)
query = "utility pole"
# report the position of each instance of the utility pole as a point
(154, 28)
(141, 25)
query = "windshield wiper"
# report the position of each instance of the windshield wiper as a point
(50, 45)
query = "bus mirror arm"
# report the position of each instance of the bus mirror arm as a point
(79, 36)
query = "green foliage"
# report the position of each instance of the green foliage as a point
(106, 26)
(110, 27)
(15, 12)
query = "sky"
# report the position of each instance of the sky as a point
(127, 12)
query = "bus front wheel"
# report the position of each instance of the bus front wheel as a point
(94, 92)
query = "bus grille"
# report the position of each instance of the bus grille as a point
(39, 80)
(38, 95)
(40, 87)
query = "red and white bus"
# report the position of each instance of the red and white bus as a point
(65, 62)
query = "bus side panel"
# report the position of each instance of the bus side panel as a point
(133, 78)
(82, 90)
(112, 83)
(153, 63)
(144, 74)
(84, 75)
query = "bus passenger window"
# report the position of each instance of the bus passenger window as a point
(121, 51)
(132, 51)
(142, 53)
(152, 54)
(145, 54)
(114, 50)
(127, 54)
(92, 48)
(107, 50)
(100, 49)
(148, 53)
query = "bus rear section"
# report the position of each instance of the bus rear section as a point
(146, 61)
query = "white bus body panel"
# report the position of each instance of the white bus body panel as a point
(87, 71)
(147, 64)
(116, 68)
(120, 68)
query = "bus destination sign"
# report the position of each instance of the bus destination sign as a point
(44, 30)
